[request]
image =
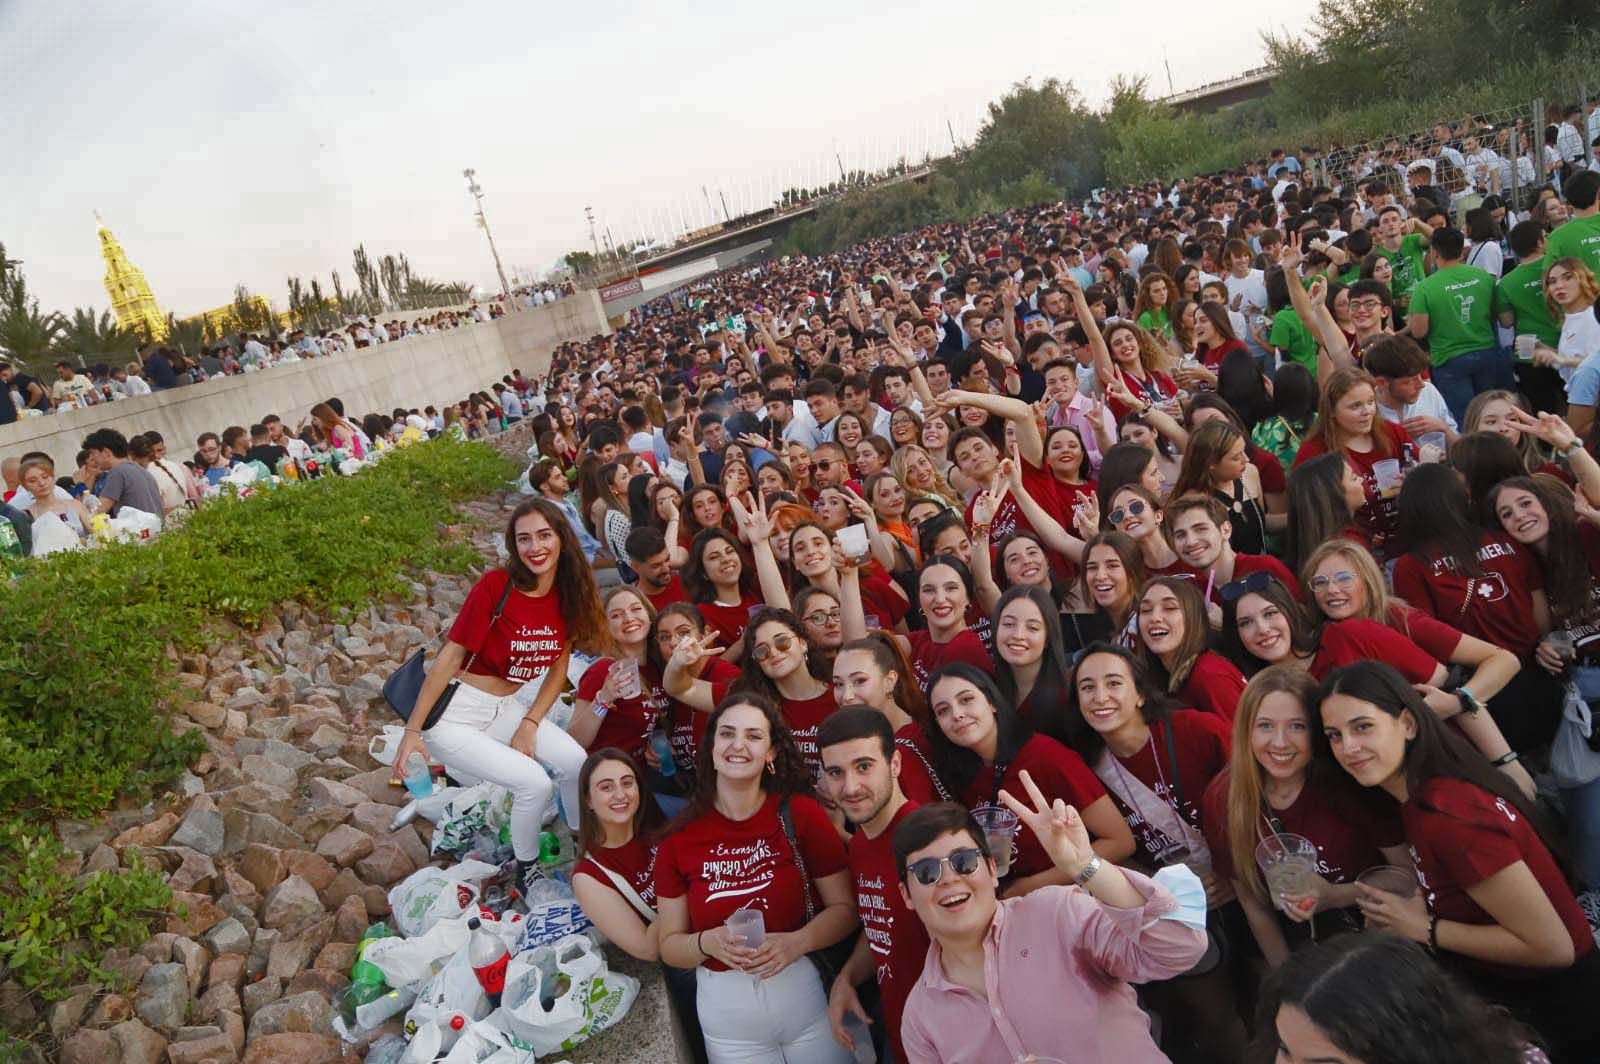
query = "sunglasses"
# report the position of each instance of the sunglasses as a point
(1343, 578)
(1234, 590)
(822, 463)
(780, 643)
(1122, 513)
(819, 618)
(963, 862)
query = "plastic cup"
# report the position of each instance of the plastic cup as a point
(1524, 345)
(1288, 863)
(1562, 643)
(999, 826)
(1431, 447)
(626, 673)
(853, 539)
(1388, 476)
(750, 925)
(1401, 882)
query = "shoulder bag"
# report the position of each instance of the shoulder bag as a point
(829, 960)
(404, 685)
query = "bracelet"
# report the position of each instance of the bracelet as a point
(981, 531)
(1470, 703)
(412, 731)
(1506, 759)
(1573, 451)
(1088, 871)
(699, 947)
(1433, 933)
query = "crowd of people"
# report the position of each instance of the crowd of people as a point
(1152, 628)
(163, 366)
(116, 472)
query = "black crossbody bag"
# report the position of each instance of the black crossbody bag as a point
(404, 685)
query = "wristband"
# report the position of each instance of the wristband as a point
(1469, 701)
(1573, 451)
(1433, 933)
(1506, 758)
(981, 531)
(1088, 871)
(699, 947)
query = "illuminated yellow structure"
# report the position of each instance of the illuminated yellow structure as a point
(225, 319)
(131, 299)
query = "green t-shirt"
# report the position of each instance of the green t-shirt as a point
(1409, 264)
(1291, 337)
(1459, 303)
(1156, 322)
(1522, 292)
(1579, 238)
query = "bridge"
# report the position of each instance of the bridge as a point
(1216, 95)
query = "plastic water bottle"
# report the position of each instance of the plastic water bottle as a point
(661, 743)
(489, 959)
(419, 781)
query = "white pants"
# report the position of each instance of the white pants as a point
(782, 1020)
(471, 741)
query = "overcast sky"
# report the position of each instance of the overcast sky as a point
(227, 142)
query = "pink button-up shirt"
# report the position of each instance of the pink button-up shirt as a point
(1056, 966)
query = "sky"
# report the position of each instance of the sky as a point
(228, 143)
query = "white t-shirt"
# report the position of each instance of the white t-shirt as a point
(1580, 338)
(135, 386)
(1487, 256)
(1429, 404)
(1253, 287)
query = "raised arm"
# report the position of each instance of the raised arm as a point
(757, 529)
(1029, 443)
(1050, 531)
(681, 677)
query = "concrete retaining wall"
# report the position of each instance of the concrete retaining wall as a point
(439, 368)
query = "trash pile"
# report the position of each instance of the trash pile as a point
(487, 966)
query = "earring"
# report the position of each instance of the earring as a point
(769, 767)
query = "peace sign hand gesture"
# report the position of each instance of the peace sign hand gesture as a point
(692, 650)
(1057, 826)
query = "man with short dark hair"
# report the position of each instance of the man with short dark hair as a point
(1199, 530)
(1580, 236)
(651, 559)
(1404, 397)
(860, 770)
(71, 387)
(823, 402)
(1453, 310)
(1010, 978)
(125, 483)
(209, 455)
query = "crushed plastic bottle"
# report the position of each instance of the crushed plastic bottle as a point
(387, 1050)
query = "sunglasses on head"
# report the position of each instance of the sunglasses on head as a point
(1122, 513)
(1234, 590)
(963, 862)
(780, 643)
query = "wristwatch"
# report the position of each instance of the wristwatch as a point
(1089, 870)
(1469, 701)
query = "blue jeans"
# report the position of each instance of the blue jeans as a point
(1464, 376)
(1582, 804)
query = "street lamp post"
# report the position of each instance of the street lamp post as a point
(483, 221)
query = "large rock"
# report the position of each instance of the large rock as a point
(215, 1001)
(196, 874)
(350, 921)
(126, 968)
(312, 868)
(387, 863)
(195, 958)
(293, 1047)
(206, 714)
(336, 957)
(213, 1049)
(109, 1010)
(276, 750)
(373, 818)
(262, 769)
(345, 845)
(228, 968)
(68, 1013)
(286, 959)
(163, 997)
(291, 906)
(202, 828)
(194, 914)
(324, 791)
(376, 786)
(139, 1044)
(154, 833)
(264, 866)
(259, 994)
(228, 936)
(91, 1047)
(305, 1012)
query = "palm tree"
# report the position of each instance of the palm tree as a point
(188, 336)
(87, 336)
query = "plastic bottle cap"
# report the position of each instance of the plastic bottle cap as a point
(457, 1022)
(472, 923)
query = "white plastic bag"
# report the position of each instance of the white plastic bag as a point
(424, 1045)
(383, 747)
(1572, 762)
(464, 813)
(51, 536)
(570, 977)
(134, 525)
(455, 991)
(405, 961)
(429, 895)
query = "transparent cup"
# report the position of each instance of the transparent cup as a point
(626, 674)
(1288, 863)
(1388, 476)
(1524, 345)
(999, 826)
(1431, 447)
(750, 925)
(853, 540)
(1401, 882)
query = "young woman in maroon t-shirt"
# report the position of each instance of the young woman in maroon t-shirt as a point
(872, 671)
(610, 709)
(1174, 638)
(1275, 784)
(729, 850)
(980, 747)
(673, 625)
(519, 623)
(944, 592)
(1494, 902)
(722, 583)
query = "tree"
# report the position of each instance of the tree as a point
(1047, 129)
(27, 334)
(87, 335)
(579, 261)
(187, 335)
(367, 277)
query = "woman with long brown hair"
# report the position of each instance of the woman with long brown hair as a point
(519, 623)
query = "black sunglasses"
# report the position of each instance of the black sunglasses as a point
(1234, 590)
(962, 862)
(1134, 508)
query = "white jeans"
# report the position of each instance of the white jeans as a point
(784, 1019)
(471, 740)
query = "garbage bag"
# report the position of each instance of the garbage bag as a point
(408, 961)
(549, 922)
(557, 996)
(430, 894)
(51, 536)
(451, 999)
(463, 813)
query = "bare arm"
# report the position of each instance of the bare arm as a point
(616, 918)
(1029, 443)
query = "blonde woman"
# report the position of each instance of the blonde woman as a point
(914, 467)
(1570, 291)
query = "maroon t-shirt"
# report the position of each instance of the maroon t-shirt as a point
(628, 721)
(918, 779)
(1429, 633)
(635, 862)
(1347, 642)
(894, 932)
(880, 598)
(1057, 771)
(529, 636)
(1214, 686)
(1461, 835)
(1009, 517)
(1497, 606)
(1201, 742)
(1350, 827)
(672, 593)
(928, 657)
(722, 865)
(1379, 517)
(728, 621)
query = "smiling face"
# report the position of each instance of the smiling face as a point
(741, 745)
(935, 433)
(902, 428)
(1108, 698)
(1125, 348)
(1138, 518)
(1197, 539)
(1064, 455)
(943, 597)
(721, 562)
(1264, 629)
(1367, 742)
(822, 622)
(919, 470)
(858, 681)
(868, 460)
(1337, 588)
(799, 461)
(1106, 577)
(857, 776)
(1020, 633)
(629, 619)
(1356, 409)
(1520, 512)
(963, 714)
(538, 545)
(1161, 622)
(1280, 737)
(889, 499)
(811, 551)
(769, 480)
(848, 433)
(954, 906)
(779, 650)
(1023, 562)
(613, 793)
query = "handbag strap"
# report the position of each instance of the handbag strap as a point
(786, 818)
(626, 890)
(499, 607)
(1172, 758)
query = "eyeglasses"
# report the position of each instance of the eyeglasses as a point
(1366, 304)
(962, 862)
(780, 643)
(822, 463)
(1343, 578)
(820, 618)
(1122, 513)
(1234, 590)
